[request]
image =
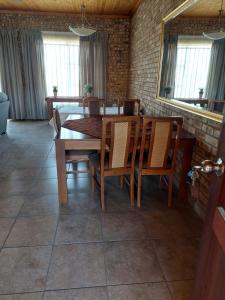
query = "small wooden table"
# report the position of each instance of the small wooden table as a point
(73, 140)
(51, 100)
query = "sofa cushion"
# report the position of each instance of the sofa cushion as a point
(3, 97)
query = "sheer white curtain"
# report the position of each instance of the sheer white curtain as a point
(193, 57)
(61, 50)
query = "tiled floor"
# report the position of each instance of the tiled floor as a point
(76, 252)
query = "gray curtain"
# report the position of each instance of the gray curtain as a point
(34, 74)
(215, 87)
(169, 66)
(11, 73)
(93, 63)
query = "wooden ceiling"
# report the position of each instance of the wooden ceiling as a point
(204, 8)
(104, 7)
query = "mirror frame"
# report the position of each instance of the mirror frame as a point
(176, 103)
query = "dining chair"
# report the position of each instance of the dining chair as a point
(72, 156)
(118, 151)
(94, 105)
(158, 150)
(131, 107)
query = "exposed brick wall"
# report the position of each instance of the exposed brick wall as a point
(144, 64)
(118, 30)
(191, 26)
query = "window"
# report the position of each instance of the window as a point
(193, 57)
(61, 52)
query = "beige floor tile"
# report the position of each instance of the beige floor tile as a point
(166, 224)
(81, 203)
(23, 269)
(77, 265)
(48, 173)
(11, 205)
(27, 296)
(122, 226)
(26, 163)
(177, 257)
(78, 294)
(44, 186)
(40, 205)
(32, 231)
(5, 170)
(5, 226)
(131, 262)
(24, 173)
(78, 228)
(148, 291)
(15, 187)
(81, 184)
(118, 204)
(181, 290)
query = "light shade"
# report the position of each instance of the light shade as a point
(82, 31)
(218, 35)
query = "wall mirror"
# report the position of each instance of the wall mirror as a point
(192, 71)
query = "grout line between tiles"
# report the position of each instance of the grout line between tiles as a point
(95, 286)
(50, 259)
(3, 246)
(105, 268)
(170, 292)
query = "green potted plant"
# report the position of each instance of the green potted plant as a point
(201, 92)
(55, 90)
(88, 88)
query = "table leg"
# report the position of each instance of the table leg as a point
(50, 109)
(61, 171)
(186, 166)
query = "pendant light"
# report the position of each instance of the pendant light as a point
(84, 29)
(220, 34)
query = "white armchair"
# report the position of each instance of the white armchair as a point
(4, 112)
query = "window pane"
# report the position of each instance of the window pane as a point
(193, 56)
(62, 63)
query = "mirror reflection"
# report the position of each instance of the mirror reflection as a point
(193, 65)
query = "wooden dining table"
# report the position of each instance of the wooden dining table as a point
(68, 139)
(50, 100)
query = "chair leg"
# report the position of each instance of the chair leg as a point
(93, 183)
(132, 190)
(75, 165)
(88, 166)
(160, 181)
(102, 192)
(139, 190)
(121, 182)
(170, 190)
